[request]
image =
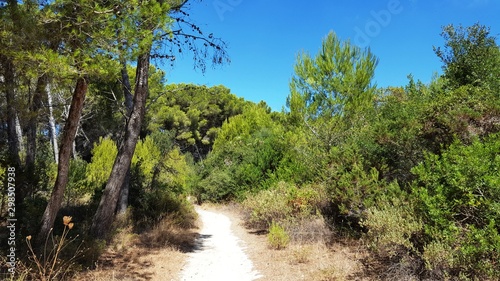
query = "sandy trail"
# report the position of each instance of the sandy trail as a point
(218, 254)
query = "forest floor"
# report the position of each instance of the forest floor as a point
(223, 249)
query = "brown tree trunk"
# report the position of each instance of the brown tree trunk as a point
(32, 128)
(105, 214)
(12, 137)
(68, 136)
(127, 89)
(129, 103)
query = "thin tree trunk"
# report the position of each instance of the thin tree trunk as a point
(73, 146)
(32, 126)
(127, 92)
(68, 137)
(127, 89)
(12, 137)
(52, 126)
(19, 132)
(104, 216)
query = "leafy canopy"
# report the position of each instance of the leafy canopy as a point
(337, 81)
(470, 56)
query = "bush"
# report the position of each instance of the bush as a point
(390, 226)
(156, 205)
(103, 157)
(277, 238)
(457, 194)
(281, 203)
(218, 186)
(353, 186)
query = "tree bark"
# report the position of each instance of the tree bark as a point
(12, 137)
(68, 137)
(19, 133)
(32, 126)
(125, 190)
(52, 126)
(127, 89)
(104, 216)
(129, 103)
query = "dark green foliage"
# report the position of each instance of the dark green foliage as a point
(194, 113)
(458, 194)
(471, 57)
(413, 170)
(152, 207)
(246, 153)
(218, 185)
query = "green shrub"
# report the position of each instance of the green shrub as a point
(217, 186)
(277, 238)
(457, 194)
(353, 186)
(77, 189)
(390, 226)
(103, 157)
(156, 205)
(268, 206)
(282, 203)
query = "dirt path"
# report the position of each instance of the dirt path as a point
(219, 254)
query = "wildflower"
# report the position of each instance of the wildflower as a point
(70, 225)
(28, 237)
(66, 220)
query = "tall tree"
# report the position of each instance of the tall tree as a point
(335, 84)
(153, 24)
(470, 56)
(337, 81)
(78, 25)
(62, 178)
(12, 20)
(9, 84)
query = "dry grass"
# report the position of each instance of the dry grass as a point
(132, 256)
(313, 254)
(310, 256)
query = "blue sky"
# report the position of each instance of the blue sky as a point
(265, 36)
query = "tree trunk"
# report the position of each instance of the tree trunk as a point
(32, 127)
(127, 92)
(125, 190)
(52, 126)
(19, 132)
(104, 216)
(127, 89)
(12, 137)
(68, 137)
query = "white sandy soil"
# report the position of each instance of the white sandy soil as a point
(219, 254)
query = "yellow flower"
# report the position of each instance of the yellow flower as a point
(28, 237)
(70, 225)
(66, 220)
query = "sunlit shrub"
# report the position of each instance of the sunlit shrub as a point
(103, 157)
(457, 194)
(282, 203)
(277, 238)
(390, 226)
